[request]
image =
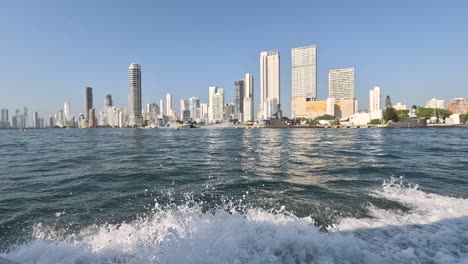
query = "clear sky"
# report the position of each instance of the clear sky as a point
(50, 50)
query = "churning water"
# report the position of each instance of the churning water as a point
(234, 196)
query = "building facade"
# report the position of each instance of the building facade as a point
(303, 78)
(88, 100)
(169, 104)
(375, 100)
(134, 106)
(435, 103)
(194, 107)
(248, 104)
(458, 106)
(269, 85)
(215, 104)
(239, 99)
(341, 83)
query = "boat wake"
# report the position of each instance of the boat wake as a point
(434, 230)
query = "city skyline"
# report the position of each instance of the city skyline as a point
(375, 49)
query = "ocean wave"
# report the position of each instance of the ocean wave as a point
(434, 230)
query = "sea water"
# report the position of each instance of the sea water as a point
(234, 196)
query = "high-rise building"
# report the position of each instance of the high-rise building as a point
(303, 78)
(88, 100)
(161, 107)
(169, 104)
(66, 114)
(92, 118)
(341, 83)
(269, 85)
(388, 101)
(134, 81)
(108, 100)
(248, 104)
(375, 100)
(215, 104)
(183, 106)
(36, 120)
(194, 107)
(238, 99)
(204, 112)
(4, 123)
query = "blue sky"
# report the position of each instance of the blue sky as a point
(50, 50)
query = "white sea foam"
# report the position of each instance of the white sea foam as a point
(435, 230)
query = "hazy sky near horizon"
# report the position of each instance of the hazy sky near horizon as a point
(50, 50)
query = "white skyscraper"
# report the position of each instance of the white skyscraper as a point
(183, 107)
(66, 114)
(134, 81)
(269, 84)
(341, 83)
(169, 104)
(303, 78)
(194, 107)
(161, 107)
(375, 100)
(215, 104)
(248, 98)
(304, 72)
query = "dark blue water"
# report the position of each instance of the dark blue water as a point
(234, 195)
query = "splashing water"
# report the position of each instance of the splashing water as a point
(435, 230)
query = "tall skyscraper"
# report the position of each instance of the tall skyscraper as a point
(375, 100)
(161, 107)
(25, 120)
(194, 106)
(108, 100)
(388, 101)
(303, 78)
(88, 100)
(36, 120)
(248, 105)
(341, 83)
(183, 106)
(238, 99)
(134, 82)
(66, 114)
(4, 122)
(92, 118)
(215, 104)
(169, 104)
(270, 103)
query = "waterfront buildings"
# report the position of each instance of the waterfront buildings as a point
(341, 83)
(215, 104)
(88, 100)
(303, 79)
(239, 99)
(134, 106)
(270, 101)
(248, 104)
(458, 106)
